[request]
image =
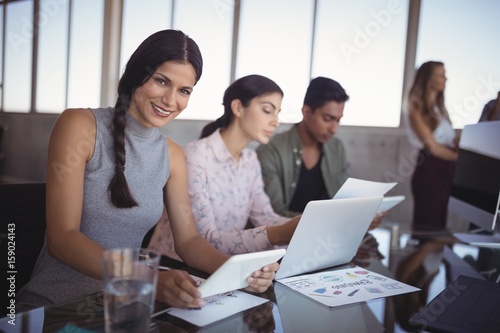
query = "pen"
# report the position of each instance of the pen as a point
(353, 292)
(195, 278)
(322, 295)
(164, 268)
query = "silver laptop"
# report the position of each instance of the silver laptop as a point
(328, 234)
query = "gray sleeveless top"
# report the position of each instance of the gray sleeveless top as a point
(147, 171)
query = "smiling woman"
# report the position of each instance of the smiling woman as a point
(164, 95)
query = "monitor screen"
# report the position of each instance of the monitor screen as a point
(475, 193)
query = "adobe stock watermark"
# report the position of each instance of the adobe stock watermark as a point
(372, 29)
(432, 312)
(48, 10)
(259, 318)
(325, 248)
(486, 88)
(75, 156)
(88, 311)
(405, 168)
(223, 8)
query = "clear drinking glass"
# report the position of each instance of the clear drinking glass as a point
(129, 276)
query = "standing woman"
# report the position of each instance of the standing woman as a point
(111, 172)
(225, 179)
(431, 132)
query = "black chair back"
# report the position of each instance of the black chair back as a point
(22, 233)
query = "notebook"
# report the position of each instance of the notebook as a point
(466, 305)
(328, 234)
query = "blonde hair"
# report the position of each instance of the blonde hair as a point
(419, 91)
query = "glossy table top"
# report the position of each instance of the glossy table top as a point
(428, 264)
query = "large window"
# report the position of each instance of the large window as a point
(361, 44)
(68, 55)
(140, 19)
(465, 36)
(18, 56)
(210, 24)
(85, 53)
(52, 57)
(275, 40)
(1, 57)
(362, 47)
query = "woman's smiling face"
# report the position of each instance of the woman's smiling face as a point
(164, 95)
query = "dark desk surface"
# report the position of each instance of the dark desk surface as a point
(430, 267)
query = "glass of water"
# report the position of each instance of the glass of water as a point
(129, 276)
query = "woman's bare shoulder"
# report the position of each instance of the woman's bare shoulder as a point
(173, 147)
(74, 125)
(80, 114)
(76, 118)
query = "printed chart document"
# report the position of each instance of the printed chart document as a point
(346, 286)
(218, 307)
(357, 188)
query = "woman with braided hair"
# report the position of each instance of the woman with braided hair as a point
(111, 172)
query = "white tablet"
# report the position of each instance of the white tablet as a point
(390, 202)
(233, 273)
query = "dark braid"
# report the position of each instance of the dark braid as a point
(162, 46)
(118, 187)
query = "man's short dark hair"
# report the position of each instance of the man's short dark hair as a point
(322, 90)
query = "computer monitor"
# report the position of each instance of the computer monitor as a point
(475, 192)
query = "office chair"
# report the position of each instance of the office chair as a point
(22, 221)
(147, 237)
(3, 128)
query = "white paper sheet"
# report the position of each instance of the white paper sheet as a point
(492, 241)
(346, 286)
(357, 188)
(390, 202)
(218, 307)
